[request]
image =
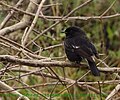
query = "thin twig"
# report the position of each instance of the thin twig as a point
(33, 23)
(7, 87)
(105, 12)
(114, 91)
(56, 18)
(53, 77)
(10, 14)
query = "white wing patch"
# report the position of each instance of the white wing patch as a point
(93, 57)
(76, 47)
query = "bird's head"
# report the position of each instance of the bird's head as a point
(73, 31)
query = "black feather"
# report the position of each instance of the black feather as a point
(78, 46)
(93, 68)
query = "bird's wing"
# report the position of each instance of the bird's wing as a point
(84, 52)
(94, 50)
(82, 46)
(92, 47)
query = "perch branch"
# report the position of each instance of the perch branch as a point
(40, 63)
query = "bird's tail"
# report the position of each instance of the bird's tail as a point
(93, 68)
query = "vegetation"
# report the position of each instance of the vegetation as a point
(32, 58)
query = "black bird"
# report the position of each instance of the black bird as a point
(78, 46)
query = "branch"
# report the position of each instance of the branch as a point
(7, 87)
(67, 81)
(105, 12)
(115, 90)
(33, 23)
(23, 23)
(54, 77)
(52, 63)
(38, 63)
(10, 14)
(18, 47)
(83, 18)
